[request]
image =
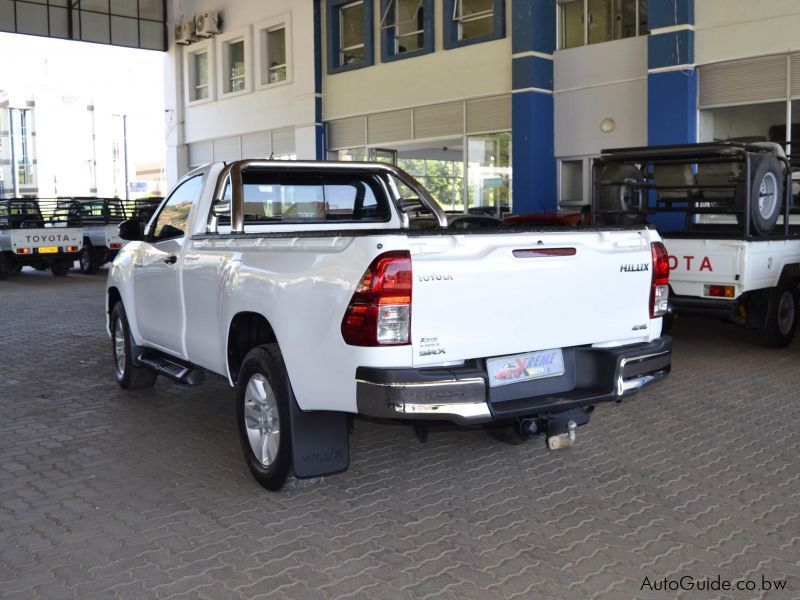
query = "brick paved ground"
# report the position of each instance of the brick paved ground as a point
(110, 494)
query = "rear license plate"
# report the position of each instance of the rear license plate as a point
(505, 370)
(48, 250)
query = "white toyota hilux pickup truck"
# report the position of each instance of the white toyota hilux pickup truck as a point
(324, 290)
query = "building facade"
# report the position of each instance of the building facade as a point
(56, 144)
(495, 105)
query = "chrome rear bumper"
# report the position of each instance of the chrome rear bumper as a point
(462, 394)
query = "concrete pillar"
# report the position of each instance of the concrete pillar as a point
(671, 82)
(533, 41)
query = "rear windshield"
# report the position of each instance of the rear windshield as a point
(271, 198)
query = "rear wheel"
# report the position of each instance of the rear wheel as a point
(766, 194)
(60, 268)
(621, 202)
(263, 394)
(780, 321)
(88, 263)
(129, 376)
(7, 266)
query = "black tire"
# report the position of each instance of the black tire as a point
(257, 418)
(780, 321)
(627, 195)
(129, 376)
(60, 268)
(765, 170)
(88, 262)
(7, 266)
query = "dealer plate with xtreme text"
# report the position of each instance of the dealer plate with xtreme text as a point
(504, 370)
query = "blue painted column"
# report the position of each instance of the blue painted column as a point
(533, 39)
(671, 82)
(319, 126)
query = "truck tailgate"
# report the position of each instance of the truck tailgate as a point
(695, 263)
(482, 295)
(46, 238)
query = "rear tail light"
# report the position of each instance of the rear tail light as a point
(659, 291)
(72, 249)
(115, 245)
(379, 314)
(23, 250)
(719, 291)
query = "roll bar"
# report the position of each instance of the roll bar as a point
(236, 168)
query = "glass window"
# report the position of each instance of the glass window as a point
(611, 20)
(170, 222)
(571, 182)
(643, 30)
(200, 60)
(489, 173)
(276, 55)
(605, 20)
(404, 20)
(444, 179)
(269, 199)
(236, 77)
(475, 18)
(352, 154)
(351, 33)
(572, 24)
(22, 129)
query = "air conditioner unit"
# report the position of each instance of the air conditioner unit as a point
(207, 23)
(184, 32)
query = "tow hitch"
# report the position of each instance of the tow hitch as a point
(562, 440)
(560, 429)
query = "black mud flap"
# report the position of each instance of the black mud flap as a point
(320, 442)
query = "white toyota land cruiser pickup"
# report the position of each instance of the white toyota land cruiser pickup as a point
(324, 290)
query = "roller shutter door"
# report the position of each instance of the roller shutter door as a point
(200, 153)
(389, 126)
(283, 141)
(439, 120)
(489, 114)
(256, 145)
(347, 133)
(227, 149)
(746, 81)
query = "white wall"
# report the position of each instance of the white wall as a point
(729, 29)
(596, 82)
(478, 70)
(289, 104)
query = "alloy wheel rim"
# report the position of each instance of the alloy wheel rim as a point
(119, 346)
(262, 420)
(786, 313)
(767, 197)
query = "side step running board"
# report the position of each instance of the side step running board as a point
(169, 367)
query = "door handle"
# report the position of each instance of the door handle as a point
(171, 260)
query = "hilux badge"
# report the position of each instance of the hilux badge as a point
(631, 268)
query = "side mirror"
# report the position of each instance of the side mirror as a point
(132, 230)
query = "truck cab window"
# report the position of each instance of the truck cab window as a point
(271, 199)
(170, 222)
